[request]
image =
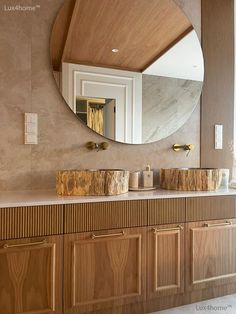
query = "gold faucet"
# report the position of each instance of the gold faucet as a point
(186, 147)
(97, 146)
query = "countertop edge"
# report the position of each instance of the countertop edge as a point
(44, 198)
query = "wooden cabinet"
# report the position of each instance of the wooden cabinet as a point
(165, 255)
(116, 257)
(30, 276)
(210, 253)
(104, 269)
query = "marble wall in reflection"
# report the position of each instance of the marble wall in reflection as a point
(167, 105)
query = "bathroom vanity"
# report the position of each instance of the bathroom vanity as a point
(133, 253)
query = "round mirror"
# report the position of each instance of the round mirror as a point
(131, 70)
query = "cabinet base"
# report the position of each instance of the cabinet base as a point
(189, 297)
(171, 301)
(136, 308)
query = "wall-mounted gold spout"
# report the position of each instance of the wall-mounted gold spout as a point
(97, 146)
(186, 147)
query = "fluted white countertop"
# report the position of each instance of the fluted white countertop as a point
(34, 198)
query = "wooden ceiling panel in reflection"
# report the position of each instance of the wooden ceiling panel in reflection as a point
(59, 33)
(142, 30)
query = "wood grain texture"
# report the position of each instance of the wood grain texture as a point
(210, 254)
(208, 208)
(165, 266)
(31, 276)
(115, 215)
(111, 268)
(165, 211)
(190, 179)
(106, 215)
(218, 91)
(97, 182)
(91, 43)
(59, 33)
(134, 308)
(32, 221)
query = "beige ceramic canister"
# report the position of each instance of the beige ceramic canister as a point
(134, 179)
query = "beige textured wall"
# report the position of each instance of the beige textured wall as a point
(218, 106)
(27, 85)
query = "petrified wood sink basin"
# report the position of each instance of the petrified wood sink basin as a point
(92, 182)
(190, 179)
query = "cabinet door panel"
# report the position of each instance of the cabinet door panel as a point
(165, 260)
(104, 271)
(212, 254)
(30, 276)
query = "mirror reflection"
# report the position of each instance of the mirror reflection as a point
(132, 71)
